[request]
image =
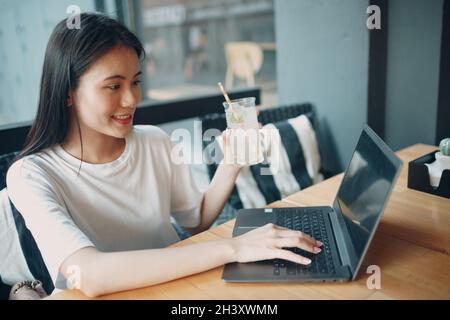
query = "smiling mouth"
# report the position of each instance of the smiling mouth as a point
(123, 119)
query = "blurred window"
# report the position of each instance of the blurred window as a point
(184, 40)
(185, 44)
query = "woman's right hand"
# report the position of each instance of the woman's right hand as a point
(267, 242)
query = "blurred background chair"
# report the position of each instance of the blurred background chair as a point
(244, 60)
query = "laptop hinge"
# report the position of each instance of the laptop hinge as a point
(339, 238)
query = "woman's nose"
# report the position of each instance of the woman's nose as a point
(129, 99)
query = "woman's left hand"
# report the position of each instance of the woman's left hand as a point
(228, 151)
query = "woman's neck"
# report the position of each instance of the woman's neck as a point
(97, 147)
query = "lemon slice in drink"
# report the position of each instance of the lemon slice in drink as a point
(237, 118)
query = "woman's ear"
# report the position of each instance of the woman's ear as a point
(70, 99)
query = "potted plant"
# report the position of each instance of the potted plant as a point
(442, 163)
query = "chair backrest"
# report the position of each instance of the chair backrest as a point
(244, 56)
(244, 60)
(4, 290)
(5, 161)
(31, 253)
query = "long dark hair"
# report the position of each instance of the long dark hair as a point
(69, 53)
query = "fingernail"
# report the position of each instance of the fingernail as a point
(319, 243)
(307, 261)
(317, 249)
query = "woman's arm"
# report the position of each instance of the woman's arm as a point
(219, 189)
(216, 196)
(102, 273)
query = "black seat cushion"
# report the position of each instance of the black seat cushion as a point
(4, 290)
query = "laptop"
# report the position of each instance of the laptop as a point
(346, 229)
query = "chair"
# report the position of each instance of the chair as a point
(4, 290)
(244, 60)
(5, 160)
(33, 258)
(266, 116)
(4, 164)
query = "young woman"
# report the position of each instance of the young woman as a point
(97, 193)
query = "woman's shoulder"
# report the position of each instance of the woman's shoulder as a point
(33, 165)
(27, 166)
(24, 173)
(147, 129)
(149, 132)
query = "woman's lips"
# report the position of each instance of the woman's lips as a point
(123, 120)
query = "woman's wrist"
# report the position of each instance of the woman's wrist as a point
(230, 250)
(231, 169)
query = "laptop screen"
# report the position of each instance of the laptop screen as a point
(365, 188)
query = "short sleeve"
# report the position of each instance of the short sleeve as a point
(45, 215)
(186, 199)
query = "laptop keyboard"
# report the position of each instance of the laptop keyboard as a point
(310, 222)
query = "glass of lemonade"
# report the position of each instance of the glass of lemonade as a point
(245, 141)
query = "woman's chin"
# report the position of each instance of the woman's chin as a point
(124, 131)
(119, 132)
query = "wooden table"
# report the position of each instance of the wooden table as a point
(411, 247)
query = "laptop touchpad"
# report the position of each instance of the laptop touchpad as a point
(250, 219)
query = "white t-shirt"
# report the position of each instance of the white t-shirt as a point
(122, 205)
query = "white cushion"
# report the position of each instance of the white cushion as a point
(279, 164)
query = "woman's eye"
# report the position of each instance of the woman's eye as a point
(136, 83)
(114, 87)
